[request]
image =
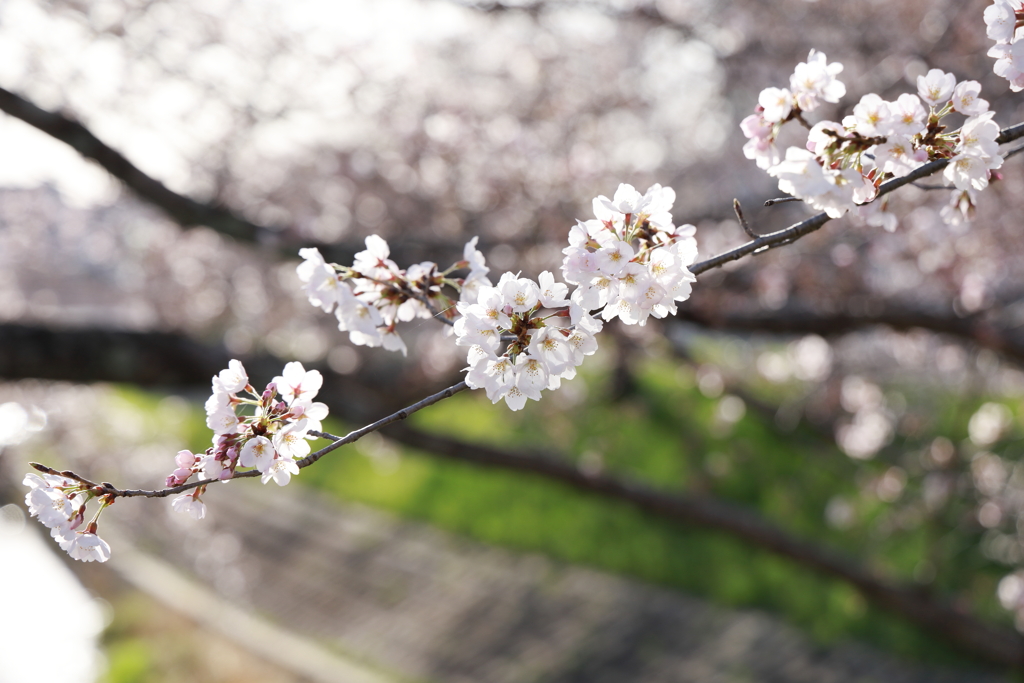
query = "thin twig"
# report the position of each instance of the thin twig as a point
(338, 441)
(781, 200)
(1013, 152)
(742, 219)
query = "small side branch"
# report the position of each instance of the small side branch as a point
(107, 489)
(781, 200)
(742, 219)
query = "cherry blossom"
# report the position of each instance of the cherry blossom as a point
(189, 503)
(88, 547)
(280, 470)
(776, 103)
(257, 452)
(1009, 63)
(936, 87)
(1001, 20)
(966, 99)
(295, 382)
(814, 82)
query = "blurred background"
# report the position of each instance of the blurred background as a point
(857, 394)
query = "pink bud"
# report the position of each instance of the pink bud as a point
(225, 474)
(185, 459)
(298, 411)
(171, 480)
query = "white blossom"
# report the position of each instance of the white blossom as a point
(257, 452)
(519, 293)
(814, 82)
(373, 262)
(871, 116)
(966, 99)
(475, 259)
(295, 382)
(232, 380)
(549, 346)
(776, 103)
(761, 144)
(281, 471)
(189, 503)
(88, 547)
(1009, 63)
(966, 171)
(1000, 21)
(898, 156)
(936, 87)
(552, 294)
(908, 115)
(290, 441)
(223, 421)
(323, 287)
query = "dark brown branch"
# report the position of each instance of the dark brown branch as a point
(994, 644)
(794, 319)
(181, 209)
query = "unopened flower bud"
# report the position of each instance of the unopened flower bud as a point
(185, 459)
(269, 392)
(225, 474)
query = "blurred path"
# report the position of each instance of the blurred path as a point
(427, 605)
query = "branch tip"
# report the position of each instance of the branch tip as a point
(742, 219)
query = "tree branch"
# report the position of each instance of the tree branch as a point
(795, 319)
(181, 209)
(994, 644)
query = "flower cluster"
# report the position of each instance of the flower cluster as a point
(524, 336)
(630, 262)
(843, 164)
(812, 83)
(373, 294)
(1004, 20)
(59, 503)
(270, 438)
(539, 355)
